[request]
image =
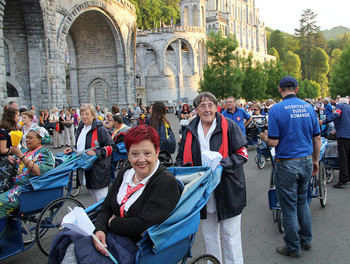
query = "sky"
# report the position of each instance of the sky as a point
(285, 15)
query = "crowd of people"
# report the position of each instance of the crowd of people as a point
(136, 201)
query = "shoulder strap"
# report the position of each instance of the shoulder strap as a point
(94, 137)
(224, 144)
(187, 156)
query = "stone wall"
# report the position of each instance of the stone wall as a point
(97, 37)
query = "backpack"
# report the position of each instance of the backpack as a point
(167, 138)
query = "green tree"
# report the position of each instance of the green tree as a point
(274, 72)
(151, 13)
(343, 40)
(278, 41)
(340, 77)
(274, 52)
(292, 65)
(222, 76)
(254, 83)
(331, 45)
(319, 63)
(292, 43)
(308, 89)
(336, 53)
(308, 34)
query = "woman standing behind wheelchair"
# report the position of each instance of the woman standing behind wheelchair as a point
(90, 130)
(142, 195)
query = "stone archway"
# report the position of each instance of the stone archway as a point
(94, 49)
(99, 36)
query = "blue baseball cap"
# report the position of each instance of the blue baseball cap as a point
(288, 81)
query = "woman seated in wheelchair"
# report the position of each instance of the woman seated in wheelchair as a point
(142, 195)
(33, 161)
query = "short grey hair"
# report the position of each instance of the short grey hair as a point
(199, 98)
(344, 100)
(90, 107)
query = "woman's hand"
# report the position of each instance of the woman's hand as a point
(11, 159)
(91, 153)
(67, 151)
(16, 151)
(102, 237)
(110, 219)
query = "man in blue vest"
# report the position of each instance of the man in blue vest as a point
(341, 119)
(295, 132)
(239, 115)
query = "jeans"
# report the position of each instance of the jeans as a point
(292, 181)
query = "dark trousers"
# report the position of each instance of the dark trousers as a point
(344, 159)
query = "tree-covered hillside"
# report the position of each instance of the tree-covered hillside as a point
(335, 32)
(156, 13)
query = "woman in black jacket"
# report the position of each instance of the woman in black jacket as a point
(142, 195)
(89, 132)
(222, 214)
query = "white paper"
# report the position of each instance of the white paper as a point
(79, 221)
(211, 159)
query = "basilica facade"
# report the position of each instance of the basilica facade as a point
(170, 59)
(63, 53)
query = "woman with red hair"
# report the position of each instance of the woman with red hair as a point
(142, 195)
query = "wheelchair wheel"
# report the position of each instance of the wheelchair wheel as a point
(322, 185)
(205, 259)
(329, 173)
(279, 221)
(260, 161)
(50, 219)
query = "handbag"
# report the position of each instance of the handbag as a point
(57, 128)
(7, 172)
(184, 122)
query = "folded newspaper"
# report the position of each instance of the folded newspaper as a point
(211, 159)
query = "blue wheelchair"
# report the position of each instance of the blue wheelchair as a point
(42, 206)
(171, 241)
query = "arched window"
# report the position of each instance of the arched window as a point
(195, 16)
(203, 16)
(7, 59)
(11, 90)
(186, 16)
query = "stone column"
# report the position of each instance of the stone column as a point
(3, 90)
(178, 56)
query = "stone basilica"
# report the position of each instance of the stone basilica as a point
(60, 53)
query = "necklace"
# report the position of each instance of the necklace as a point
(136, 178)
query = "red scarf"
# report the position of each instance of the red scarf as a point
(129, 192)
(187, 157)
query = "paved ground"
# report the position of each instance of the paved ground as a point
(260, 235)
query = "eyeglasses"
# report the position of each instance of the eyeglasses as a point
(205, 106)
